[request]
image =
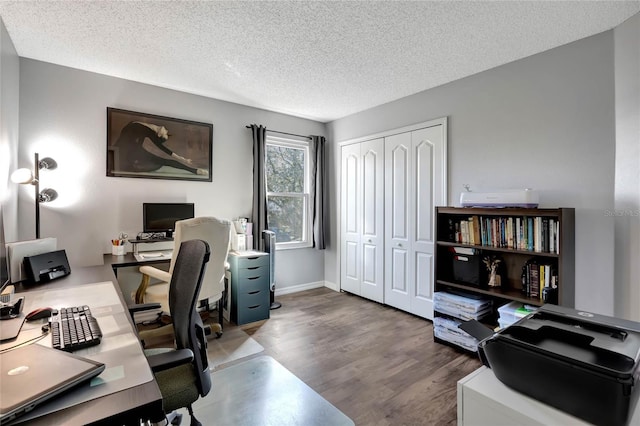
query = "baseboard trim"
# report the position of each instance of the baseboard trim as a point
(332, 286)
(297, 288)
(307, 286)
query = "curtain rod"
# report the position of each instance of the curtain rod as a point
(284, 133)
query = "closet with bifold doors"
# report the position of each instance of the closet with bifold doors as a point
(390, 185)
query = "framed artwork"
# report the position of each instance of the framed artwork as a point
(150, 146)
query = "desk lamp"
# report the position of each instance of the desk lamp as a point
(26, 176)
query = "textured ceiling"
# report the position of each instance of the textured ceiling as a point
(316, 59)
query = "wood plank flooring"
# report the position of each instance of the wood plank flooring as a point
(378, 365)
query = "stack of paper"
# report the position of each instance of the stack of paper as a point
(146, 316)
(457, 306)
(447, 329)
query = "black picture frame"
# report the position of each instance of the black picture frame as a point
(141, 145)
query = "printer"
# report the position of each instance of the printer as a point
(582, 363)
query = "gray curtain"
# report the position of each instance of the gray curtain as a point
(259, 210)
(318, 191)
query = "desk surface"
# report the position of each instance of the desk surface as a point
(128, 259)
(127, 406)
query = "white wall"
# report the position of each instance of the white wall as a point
(63, 115)
(545, 122)
(9, 82)
(627, 177)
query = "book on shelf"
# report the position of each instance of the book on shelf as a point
(538, 274)
(525, 233)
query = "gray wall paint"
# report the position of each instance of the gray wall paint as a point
(9, 106)
(63, 115)
(545, 122)
(627, 178)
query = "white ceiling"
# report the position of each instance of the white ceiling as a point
(316, 59)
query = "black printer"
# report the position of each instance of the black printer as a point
(582, 363)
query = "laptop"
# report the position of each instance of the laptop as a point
(33, 374)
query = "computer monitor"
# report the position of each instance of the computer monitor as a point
(162, 217)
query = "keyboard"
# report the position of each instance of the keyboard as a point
(74, 328)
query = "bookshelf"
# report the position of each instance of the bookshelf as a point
(517, 237)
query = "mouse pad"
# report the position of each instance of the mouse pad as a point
(10, 328)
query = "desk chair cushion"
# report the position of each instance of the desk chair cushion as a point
(158, 294)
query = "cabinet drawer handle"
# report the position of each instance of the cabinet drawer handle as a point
(252, 258)
(253, 267)
(254, 292)
(253, 307)
(253, 278)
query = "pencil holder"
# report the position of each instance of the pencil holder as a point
(117, 250)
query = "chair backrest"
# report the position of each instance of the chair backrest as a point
(217, 233)
(188, 272)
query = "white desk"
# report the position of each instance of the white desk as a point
(126, 391)
(485, 401)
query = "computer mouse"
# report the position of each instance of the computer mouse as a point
(39, 313)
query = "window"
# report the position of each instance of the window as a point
(288, 201)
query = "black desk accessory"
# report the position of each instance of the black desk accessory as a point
(12, 319)
(12, 309)
(47, 266)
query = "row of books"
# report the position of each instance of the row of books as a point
(536, 275)
(532, 233)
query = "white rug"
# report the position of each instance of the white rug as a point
(234, 344)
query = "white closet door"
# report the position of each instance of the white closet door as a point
(390, 187)
(429, 177)
(351, 222)
(398, 270)
(372, 236)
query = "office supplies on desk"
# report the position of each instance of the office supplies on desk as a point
(28, 378)
(39, 313)
(11, 309)
(47, 266)
(153, 255)
(12, 319)
(17, 251)
(74, 328)
(6, 291)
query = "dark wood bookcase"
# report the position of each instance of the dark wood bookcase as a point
(560, 253)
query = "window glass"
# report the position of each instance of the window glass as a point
(287, 179)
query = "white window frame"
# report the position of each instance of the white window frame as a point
(304, 144)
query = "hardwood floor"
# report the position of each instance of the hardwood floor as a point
(377, 364)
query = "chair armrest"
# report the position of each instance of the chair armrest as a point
(166, 360)
(143, 307)
(156, 273)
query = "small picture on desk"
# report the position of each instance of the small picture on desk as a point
(150, 146)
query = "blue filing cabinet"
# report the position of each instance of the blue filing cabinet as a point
(250, 298)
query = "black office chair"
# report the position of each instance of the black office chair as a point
(183, 373)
